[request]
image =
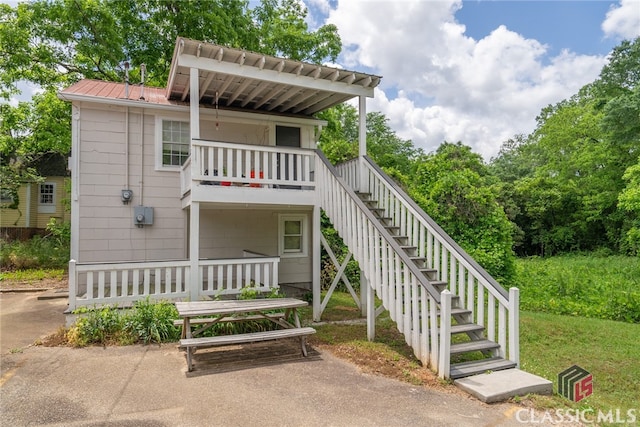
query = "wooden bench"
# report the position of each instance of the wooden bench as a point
(207, 322)
(190, 344)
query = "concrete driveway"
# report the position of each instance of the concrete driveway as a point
(269, 384)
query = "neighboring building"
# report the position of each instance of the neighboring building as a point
(38, 202)
(215, 183)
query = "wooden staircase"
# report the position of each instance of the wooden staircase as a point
(471, 352)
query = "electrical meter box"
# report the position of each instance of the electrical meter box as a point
(142, 215)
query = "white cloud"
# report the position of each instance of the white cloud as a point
(623, 21)
(450, 86)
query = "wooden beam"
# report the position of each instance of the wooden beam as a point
(238, 91)
(254, 93)
(273, 76)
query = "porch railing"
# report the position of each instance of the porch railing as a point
(124, 283)
(492, 306)
(226, 164)
(412, 301)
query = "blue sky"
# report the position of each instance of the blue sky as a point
(571, 25)
(474, 71)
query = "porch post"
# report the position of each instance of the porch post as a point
(371, 308)
(194, 250)
(194, 103)
(316, 256)
(194, 212)
(363, 182)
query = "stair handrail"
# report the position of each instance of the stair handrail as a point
(424, 282)
(452, 246)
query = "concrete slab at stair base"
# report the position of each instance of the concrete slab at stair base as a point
(502, 385)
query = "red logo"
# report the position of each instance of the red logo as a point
(575, 383)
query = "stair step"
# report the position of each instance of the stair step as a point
(392, 227)
(466, 327)
(457, 311)
(400, 237)
(470, 346)
(474, 367)
(439, 284)
(430, 273)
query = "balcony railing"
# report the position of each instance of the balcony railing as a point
(230, 164)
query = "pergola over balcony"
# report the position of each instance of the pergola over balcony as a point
(234, 78)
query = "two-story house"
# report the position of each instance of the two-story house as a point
(214, 183)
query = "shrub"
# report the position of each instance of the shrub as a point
(146, 322)
(102, 325)
(50, 251)
(152, 321)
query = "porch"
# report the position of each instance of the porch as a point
(124, 283)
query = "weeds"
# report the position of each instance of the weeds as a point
(146, 322)
(587, 286)
(152, 321)
(50, 251)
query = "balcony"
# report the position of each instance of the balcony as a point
(241, 173)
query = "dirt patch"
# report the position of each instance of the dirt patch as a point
(372, 362)
(34, 284)
(57, 339)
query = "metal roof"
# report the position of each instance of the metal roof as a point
(234, 78)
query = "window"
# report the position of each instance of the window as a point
(287, 136)
(293, 235)
(47, 197)
(6, 198)
(175, 142)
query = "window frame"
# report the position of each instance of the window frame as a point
(6, 197)
(304, 236)
(50, 206)
(159, 142)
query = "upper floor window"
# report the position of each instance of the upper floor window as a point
(47, 197)
(175, 142)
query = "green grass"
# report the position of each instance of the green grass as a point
(609, 350)
(32, 274)
(580, 285)
(549, 344)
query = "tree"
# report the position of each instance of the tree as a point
(561, 184)
(455, 188)
(339, 140)
(54, 43)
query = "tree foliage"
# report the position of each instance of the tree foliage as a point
(563, 183)
(339, 140)
(455, 188)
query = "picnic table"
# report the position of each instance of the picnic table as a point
(203, 315)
